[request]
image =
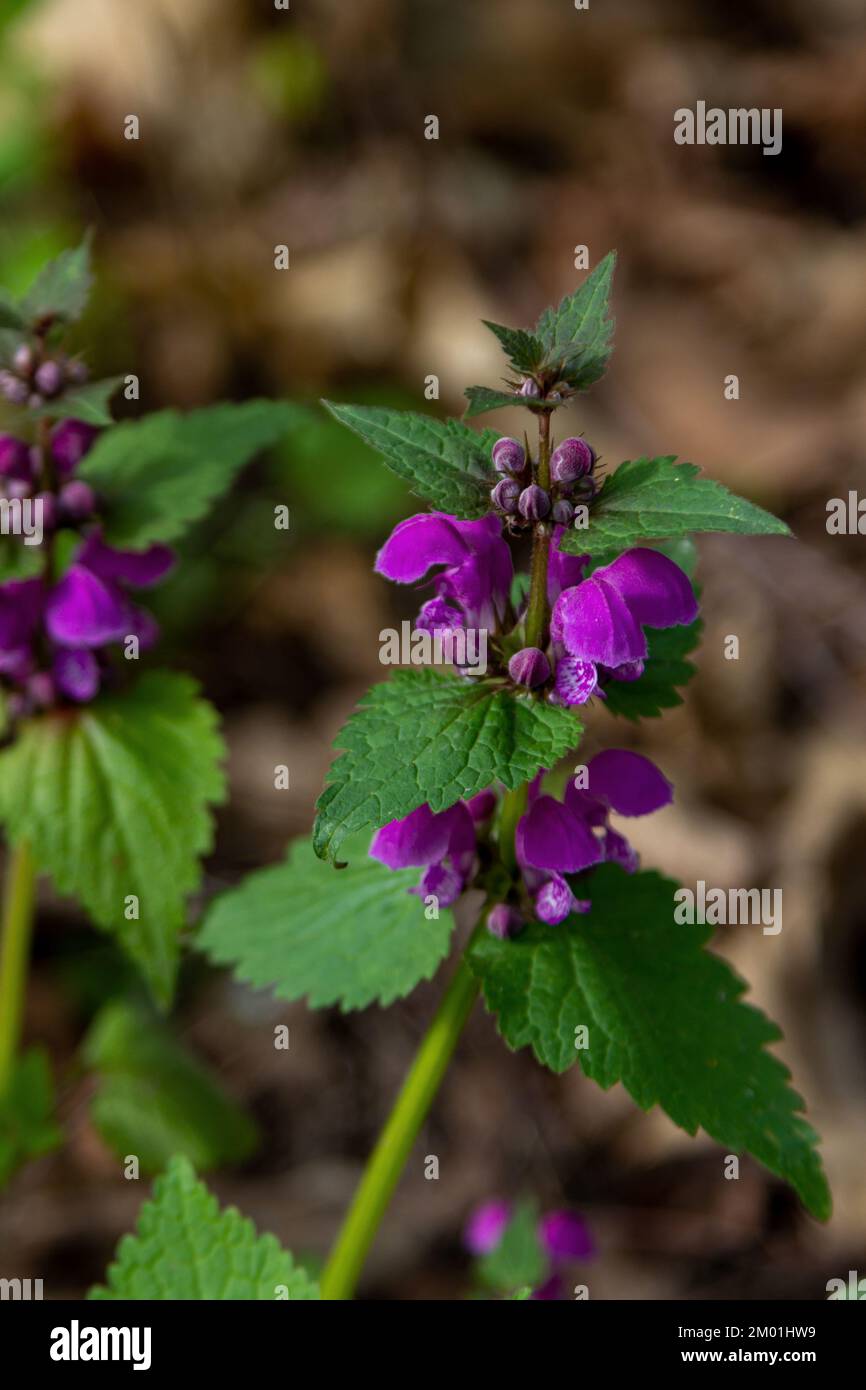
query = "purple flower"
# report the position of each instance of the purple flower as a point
(76, 673)
(557, 838)
(570, 460)
(533, 503)
(566, 1236)
(15, 459)
(509, 456)
(600, 620)
(503, 921)
(486, 1227)
(89, 608)
(506, 495)
(477, 562)
(70, 441)
(563, 571)
(440, 842)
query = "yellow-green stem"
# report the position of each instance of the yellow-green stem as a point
(395, 1142)
(19, 896)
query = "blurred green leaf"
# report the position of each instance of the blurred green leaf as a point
(155, 1099)
(518, 1260)
(27, 1127)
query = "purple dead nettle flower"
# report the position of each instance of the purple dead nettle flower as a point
(473, 587)
(556, 838)
(597, 624)
(565, 1238)
(442, 843)
(52, 638)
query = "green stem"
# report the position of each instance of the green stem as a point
(536, 611)
(18, 901)
(513, 807)
(401, 1130)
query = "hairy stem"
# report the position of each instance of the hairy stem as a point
(17, 922)
(401, 1130)
(536, 611)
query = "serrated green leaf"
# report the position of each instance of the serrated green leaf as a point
(650, 499)
(27, 1127)
(524, 350)
(159, 474)
(114, 799)
(186, 1248)
(88, 402)
(484, 398)
(444, 461)
(154, 1099)
(352, 937)
(577, 334)
(518, 1259)
(62, 287)
(422, 737)
(665, 670)
(664, 1017)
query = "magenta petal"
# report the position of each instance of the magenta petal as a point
(424, 837)
(419, 542)
(617, 850)
(563, 571)
(655, 589)
(81, 611)
(70, 441)
(485, 1227)
(441, 882)
(554, 902)
(566, 1236)
(594, 624)
(76, 673)
(576, 681)
(137, 567)
(554, 838)
(20, 611)
(551, 1291)
(630, 783)
(481, 806)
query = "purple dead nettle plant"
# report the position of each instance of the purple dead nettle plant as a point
(449, 786)
(107, 772)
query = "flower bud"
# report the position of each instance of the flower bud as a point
(529, 667)
(15, 391)
(70, 441)
(77, 500)
(14, 458)
(534, 503)
(49, 378)
(554, 901)
(570, 460)
(509, 456)
(563, 512)
(23, 359)
(77, 372)
(503, 921)
(19, 487)
(530, 387)
(40, 688)
(506, 495)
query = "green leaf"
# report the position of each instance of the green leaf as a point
(664, 1017)
(425, 737)
(484, 398)
(578, 332)
(351, 937)
(186, 1248)
(443, 460)
(10, 315)
(518, 1260)
(524, 350)
(159, 474)
(17, 560)
(154, 1099)
(62, 287)
(114, 800)
(88, 403)
(648, 499)
(666, 669)
(27, 1127)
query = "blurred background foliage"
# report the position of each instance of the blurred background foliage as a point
(260, 127)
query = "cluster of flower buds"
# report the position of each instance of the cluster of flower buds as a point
(25, 472)
(34, 377)
(517, 497)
